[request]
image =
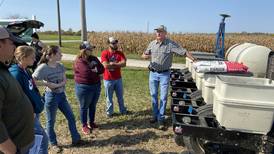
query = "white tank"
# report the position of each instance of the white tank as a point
(199, 78)
(255, 57)
(229, 49)
(233, 52)
(244, 103)
(208, 86)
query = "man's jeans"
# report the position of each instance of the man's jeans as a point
(39, 130)
(54, 101)
(88, 96)
(156, 80)
(110, 87)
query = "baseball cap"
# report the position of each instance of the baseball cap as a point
(112, 40)
(161, 28)
(86, 45)
(6, 34)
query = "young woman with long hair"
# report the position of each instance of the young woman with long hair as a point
(51, 74)
(25, 57)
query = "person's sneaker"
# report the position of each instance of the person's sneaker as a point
(56, 149)
(153, 120)
(109, 115)
(126, 112)
(161, 125)
(86, 130)
(93, 126)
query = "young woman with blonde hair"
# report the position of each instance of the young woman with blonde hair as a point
(25, 57)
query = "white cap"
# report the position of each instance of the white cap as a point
(112, 40)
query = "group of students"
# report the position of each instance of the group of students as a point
(50, 73)
(87, 75)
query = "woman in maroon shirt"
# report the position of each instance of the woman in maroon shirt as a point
(87, 71)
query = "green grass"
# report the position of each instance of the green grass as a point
(68, 47)
(123, 133)
(43, 36)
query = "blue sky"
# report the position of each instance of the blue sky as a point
(185, 16)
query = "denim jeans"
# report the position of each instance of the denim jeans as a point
(156, 80)
(110, 87)
(87, 96)
(54, 101)
(39, 130)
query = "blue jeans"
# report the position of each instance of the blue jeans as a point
(39, 130)
(54, 101)
(88, 96)
(110, 87)
(156, 80)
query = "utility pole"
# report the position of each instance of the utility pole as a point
(59, 23)
(83, 21)
(147, 26)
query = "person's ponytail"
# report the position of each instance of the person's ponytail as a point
(47, 52)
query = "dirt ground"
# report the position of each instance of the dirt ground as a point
(126, 137)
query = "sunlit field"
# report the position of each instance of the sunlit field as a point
(136, 42)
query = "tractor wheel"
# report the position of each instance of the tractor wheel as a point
(196, 145)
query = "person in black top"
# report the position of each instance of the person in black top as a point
(38, 46)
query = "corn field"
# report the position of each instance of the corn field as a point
(137, 42)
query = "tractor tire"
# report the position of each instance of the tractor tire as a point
(193, 144)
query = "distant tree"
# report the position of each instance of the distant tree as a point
(16, 16)
(70, 30)
(78, 33)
